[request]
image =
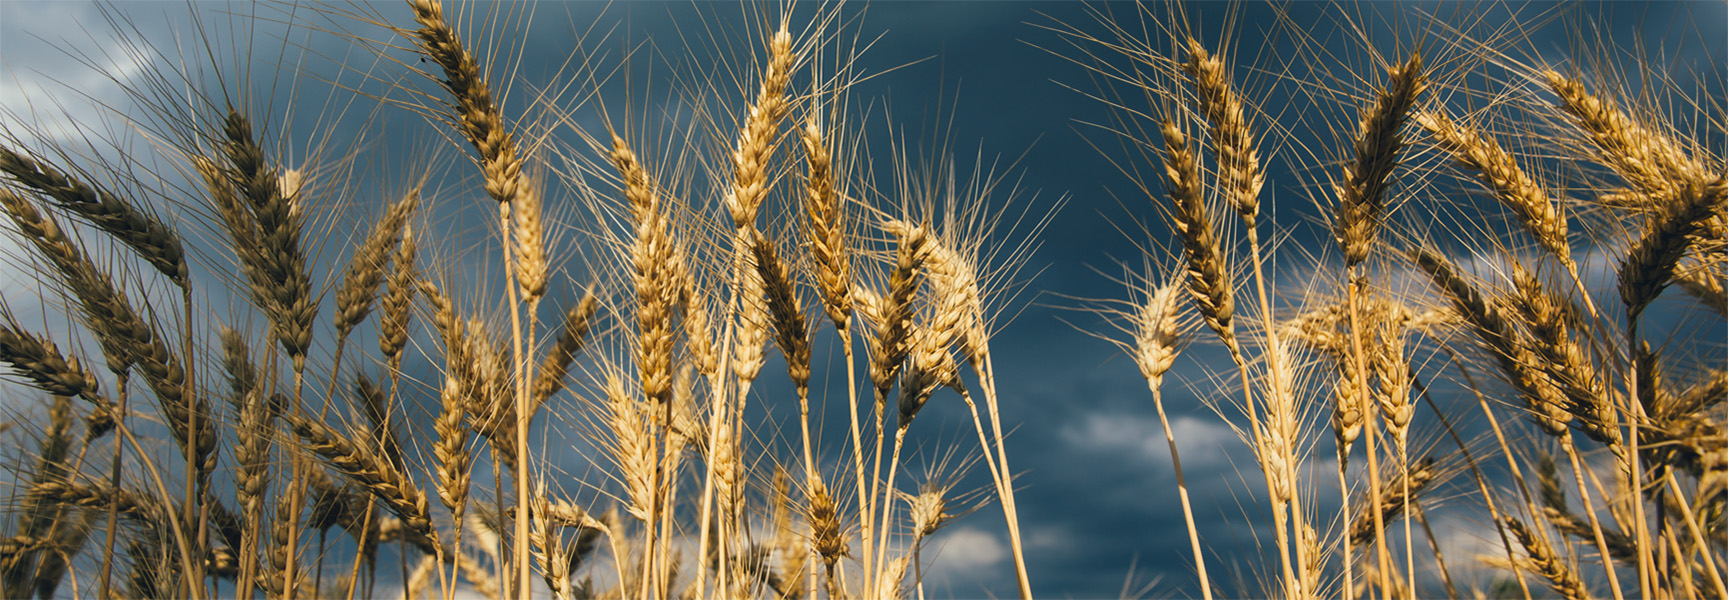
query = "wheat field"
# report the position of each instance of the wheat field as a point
(447, 300)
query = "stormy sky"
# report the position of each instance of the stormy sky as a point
(997, 88)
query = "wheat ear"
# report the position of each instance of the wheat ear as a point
(1238, 160)
(825, 210)
(1547, 318)
(398, 301)
(1544, 401)
(477, 116)
(1648, 267)
(281, 270)
(157, 243)
(1544, 562)
(394, 488)
(756, 139)
(1647, 159)
(38, 360)
(1362, 194)
(1208, 281)
(1500, 173)
(359, 290)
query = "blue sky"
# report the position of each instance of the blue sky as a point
(983, 81)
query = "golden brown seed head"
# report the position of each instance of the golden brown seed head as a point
(476, 116)
(752, 332)
(825, 530)
(1362, 193)
(756, 141)
(1238, 160)
(359, 289)
(893, 313)
(528, 237)
(1648, 160)
(1648, 267)
(1208, 275)
(1157, 333)
(827, 221)
(791, 332)
(1500, 173)
(144, 233)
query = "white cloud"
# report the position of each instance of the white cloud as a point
(965, 550)
(1201, 441)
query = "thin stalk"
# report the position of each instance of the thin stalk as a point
(1409, 542)
(988, 380)
(1590, 511)
(1475, 471)
(523, 372)
(1381, 557)
(335, 373)
(661, 503)
(1349, 559)
(619, 555)
(447, 585)
(1687, 584)
(502, 569)
(857, 438)
(875, 485)
(456, 546)
(983, 442)
(162, 489)
(1433, 544)
(114, 509)
(1182, 491)
(888, 507)
(1635, 474)
(1272, 342)
(193, 472)
(1697, 537)
(1280, 519)
(318, 569)
(1640, 529)
(656, 450)
(804, 424)
(360, 551)
(296, 491)
(714, 419)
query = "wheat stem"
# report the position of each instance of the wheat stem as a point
(1381, 559)
(114, 481)
(1182, 490)
(1692, 527)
